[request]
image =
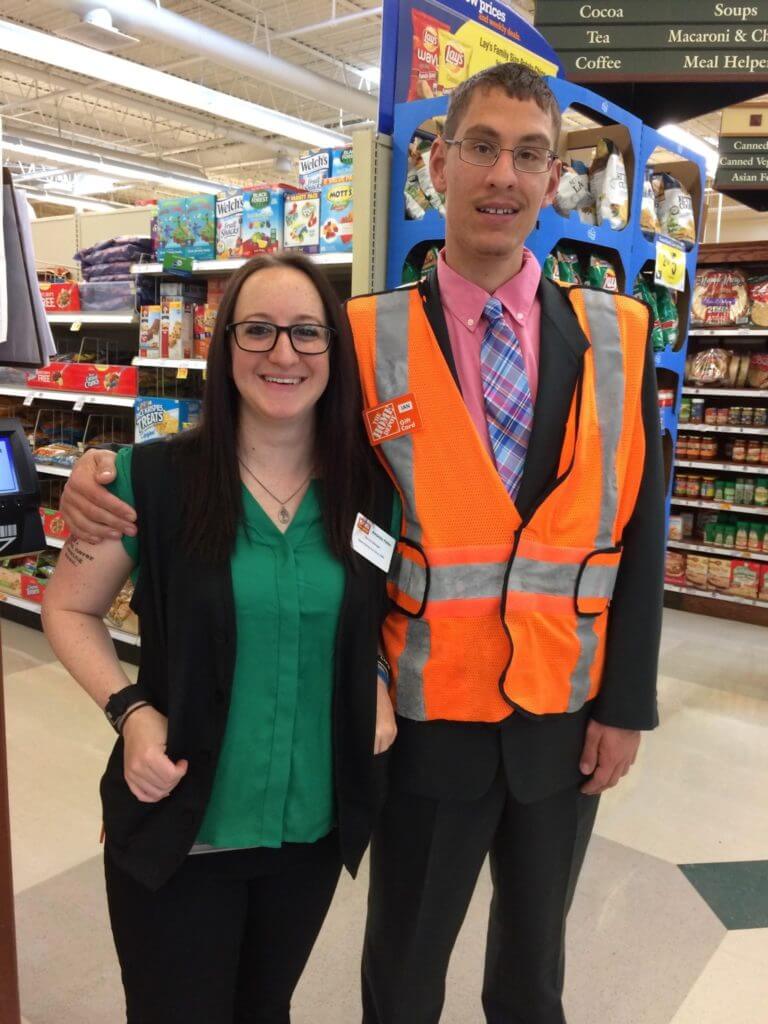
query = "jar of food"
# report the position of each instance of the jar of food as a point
(718, 534)
(730, 535)
(681, 447)
(749, 491)
(734, 416)
(710, 414)
(728, 451)
(756, 531)
(722, 416)
(753, 451)
(747, 415)
(666, 398)
(694, 486)
(742, 536)
(694, 447)
(681, 485)
(760, 416)
(764, 453)
(738, 491)
(729, 492)
(697, 410)
(739, 450)
(687, 521)
(685, 410)
(707, 488)
(761, 491)
(708, 448)
(720, 490)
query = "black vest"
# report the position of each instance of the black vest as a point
(188, 646)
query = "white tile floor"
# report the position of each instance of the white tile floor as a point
(644, 948)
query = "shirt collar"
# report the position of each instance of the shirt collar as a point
(466, 300)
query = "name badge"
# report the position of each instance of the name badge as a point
(392, 419)
(372, 543)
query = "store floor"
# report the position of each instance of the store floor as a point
(670, 924)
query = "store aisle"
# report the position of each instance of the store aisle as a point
(670, 925)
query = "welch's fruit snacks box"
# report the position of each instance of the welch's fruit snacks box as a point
(229, 226)
(336, 215)
(319, 164)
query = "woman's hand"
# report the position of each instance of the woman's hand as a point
(90, 511)
(386, 728)
(150, 775)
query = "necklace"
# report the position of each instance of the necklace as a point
(283, 514)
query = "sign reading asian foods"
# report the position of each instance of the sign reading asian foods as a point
(657, 40)
(743, 163)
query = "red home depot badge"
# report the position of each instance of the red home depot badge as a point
(391, 419)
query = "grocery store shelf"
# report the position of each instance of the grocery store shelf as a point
(92, 318)
(51, 470)
(709, 428)
(720, 506)
(727, 392)
(708, 549)
(726, 332)
(54, 542)
(33, 606)
(333, 259)
(174, 364)
(78, 398)
(715, 596)
(731, 467)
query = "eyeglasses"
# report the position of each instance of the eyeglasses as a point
(261, 336)
(529, 159)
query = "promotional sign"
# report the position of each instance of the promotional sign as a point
(431, 46)
(657, 40)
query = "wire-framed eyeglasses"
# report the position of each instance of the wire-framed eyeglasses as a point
(261, 336)
(481, 153)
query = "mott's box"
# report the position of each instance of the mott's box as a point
(302, 222)
(162, 417)
(319, 164)
(336, 215)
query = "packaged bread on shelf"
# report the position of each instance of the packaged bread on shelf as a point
(709, 368)
(720, 298)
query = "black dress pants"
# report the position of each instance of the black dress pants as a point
(226, 939)
(426, 855)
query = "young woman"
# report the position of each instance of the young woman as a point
(244, 772)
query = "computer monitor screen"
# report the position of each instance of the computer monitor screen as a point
(9, 483)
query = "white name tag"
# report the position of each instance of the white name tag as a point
(372, 543)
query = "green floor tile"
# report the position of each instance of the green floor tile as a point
(736, 891)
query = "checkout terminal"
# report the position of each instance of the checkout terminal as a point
(21, 529)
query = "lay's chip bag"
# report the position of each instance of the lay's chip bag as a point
(424, 56)
(453, 65)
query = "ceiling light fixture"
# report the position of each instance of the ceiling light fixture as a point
(113, 168)
(693, 142)
(82, 60)
(96, 29)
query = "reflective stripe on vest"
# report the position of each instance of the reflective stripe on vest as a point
(460, 528)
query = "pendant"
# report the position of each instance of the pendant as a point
(284, 515)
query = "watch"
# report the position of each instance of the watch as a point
(119, 702)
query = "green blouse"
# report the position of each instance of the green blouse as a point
(274, 778)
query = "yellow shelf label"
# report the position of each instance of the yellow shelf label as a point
(670, 266)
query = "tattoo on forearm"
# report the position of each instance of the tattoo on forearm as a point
(75, 555)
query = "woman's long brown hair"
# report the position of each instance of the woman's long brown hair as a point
(213, 499)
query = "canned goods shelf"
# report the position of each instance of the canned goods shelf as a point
(710, 428)
(727, 392)
(725, 332)
(715, 596)
(720, 506)
(708, 549)
(731, 467)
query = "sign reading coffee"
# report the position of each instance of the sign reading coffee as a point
(657, 40)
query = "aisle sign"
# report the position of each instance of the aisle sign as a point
(431, 46)
(670, 264)
(657, 40)
(742, 167)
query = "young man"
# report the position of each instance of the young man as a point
(527, 585)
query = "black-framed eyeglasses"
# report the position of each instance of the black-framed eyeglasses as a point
(261, 336)
(528, 159)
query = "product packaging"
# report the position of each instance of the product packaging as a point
(302, 222)
(161, 417)
(745, 579)
(336, 215)
(174, 233)
(424, 55)
(573, 193)
(176, 329)
(674, 209)
(647, 294)
(201, 220)
(720, 298)
(453, 62)
(229, 226)
(568, 265)
(608, 185)
(262, 227)
(669, 319)
(60, 298)
(86, 377)
(601, 274)
(649, 221)
(150, 344)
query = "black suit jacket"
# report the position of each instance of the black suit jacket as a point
(541, 754)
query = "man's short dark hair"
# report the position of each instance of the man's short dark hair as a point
(518, 81)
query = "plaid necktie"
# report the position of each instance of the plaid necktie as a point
(508, 403)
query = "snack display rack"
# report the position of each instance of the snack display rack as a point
(685, 587)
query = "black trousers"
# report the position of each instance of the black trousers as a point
(426, 855)
(227, 938)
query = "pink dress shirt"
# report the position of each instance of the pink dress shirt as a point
(463, 304)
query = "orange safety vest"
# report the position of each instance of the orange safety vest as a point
(492, 613)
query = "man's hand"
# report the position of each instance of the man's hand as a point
(150, 775)
(386, 728)
(608, 755)
(90, 511)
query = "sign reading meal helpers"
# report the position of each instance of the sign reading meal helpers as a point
(431, 46)
(657, 40)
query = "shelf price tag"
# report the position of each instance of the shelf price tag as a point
(182, 373)
(78, 406)
(670, 264)
(75, 325)
(179, 265)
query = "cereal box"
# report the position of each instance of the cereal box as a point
(173, 231)
(216, 288)
(262, 230)
(336, 215)
(60, 298)
(205, 321)
(176, 329)
(86, 377)
(201, 222)
(229, 226)
(302, 222)
(54, 524)
(162, 417)
(745, 579)
(149, 337)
